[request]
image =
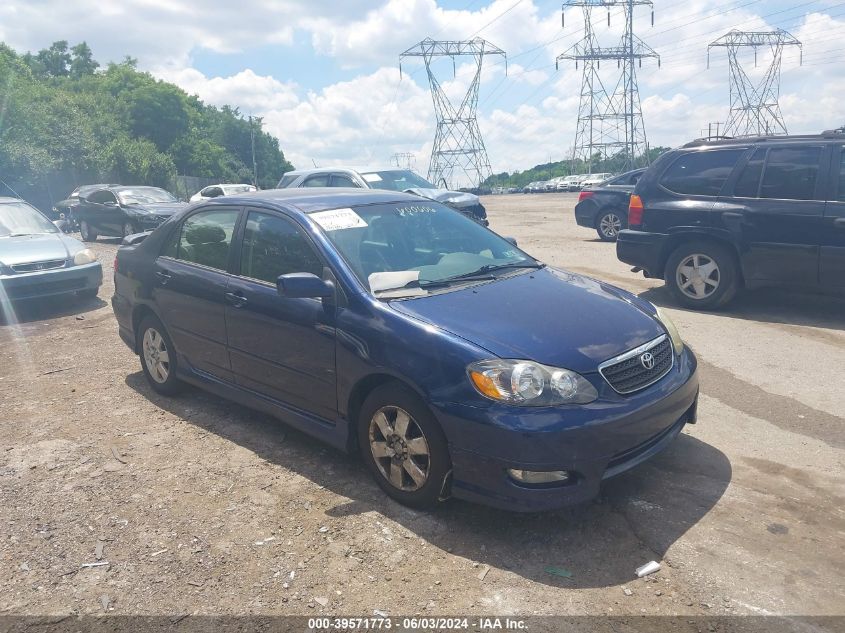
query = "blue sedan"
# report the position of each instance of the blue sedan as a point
(377, 321)
(37, 260)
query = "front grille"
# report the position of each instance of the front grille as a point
(628, 372)
(36, 266)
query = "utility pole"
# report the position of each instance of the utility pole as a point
(610, 122)
(754, 107)
(254, 163)
(458, 151)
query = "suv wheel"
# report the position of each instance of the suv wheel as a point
(403, 446)
(86, 232)
(702, 275)
(608, 225)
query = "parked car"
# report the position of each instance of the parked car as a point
(37, 260)
(69, 204)
(594, 180)
(573, 183)
(605, 207)
(123, 210)
(713, 217)
(215, 191)
(531, 187)
(388, 178)
(391, 324)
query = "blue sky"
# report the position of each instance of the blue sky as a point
(324, 75)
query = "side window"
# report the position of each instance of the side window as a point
(214, 192)
(748, 183)
(791, 173)
(274, 246)
(101, 197)
(701, 173)
(286, 180)
(320, 180)
(206, 238)
(342, 180)
(840, 191)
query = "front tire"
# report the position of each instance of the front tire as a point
(702, 275)
(404, 446)
(158, 357)
(608, 225)
(86, 232)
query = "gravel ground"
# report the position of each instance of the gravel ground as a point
(117, 500)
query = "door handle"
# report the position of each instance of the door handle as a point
(163, 277)
(839, 223)
(236, 300)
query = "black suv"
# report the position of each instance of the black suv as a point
(714, 216)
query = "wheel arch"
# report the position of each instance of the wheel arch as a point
(139, 312)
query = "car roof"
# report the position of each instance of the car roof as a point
(334, 168)
(828, 135)
(313, 199)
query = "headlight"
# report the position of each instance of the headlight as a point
(85, 256)
(671, 330)
(528, 383)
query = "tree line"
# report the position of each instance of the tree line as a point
(64, 117)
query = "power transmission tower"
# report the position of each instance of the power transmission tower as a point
(403, 160)
(610, 123)
(458, 150)
(754, 105)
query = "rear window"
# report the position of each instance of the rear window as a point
(285, 181)
(701, 173)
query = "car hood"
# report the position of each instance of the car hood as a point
(158, 208)
(24, 249)
(457, 199)
(550, 316)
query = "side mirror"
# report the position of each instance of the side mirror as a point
(512, 240)
(303, 286)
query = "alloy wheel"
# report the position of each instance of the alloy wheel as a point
(399, 448)
(156, 356)
(698, 276)
(610, 225)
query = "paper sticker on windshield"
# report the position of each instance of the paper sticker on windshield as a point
(338, 219)
(371, 177)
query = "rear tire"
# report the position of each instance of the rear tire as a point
(158, 357)
(608, 225)
(702, 275)
(403, 446)
(86, 232)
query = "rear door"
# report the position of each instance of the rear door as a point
(775, 213)
(191, 279)
(832, 247)
(281, 347)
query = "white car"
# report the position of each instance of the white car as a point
(215, 191)
(595, 179)
(571, 183)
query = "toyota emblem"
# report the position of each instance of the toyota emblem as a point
(647, 360)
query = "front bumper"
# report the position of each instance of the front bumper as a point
(642, 250)
(51, 283)
(593, 442)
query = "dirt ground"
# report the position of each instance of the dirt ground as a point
(117, 500)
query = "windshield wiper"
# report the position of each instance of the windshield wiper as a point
(488, 268)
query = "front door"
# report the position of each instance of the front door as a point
(832, 252)
(280, 347)
(777, 210)
(190, 285)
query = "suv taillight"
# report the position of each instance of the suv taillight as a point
(635, 212)
(115, 264)
(584, 194)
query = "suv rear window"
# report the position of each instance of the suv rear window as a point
(701, 173)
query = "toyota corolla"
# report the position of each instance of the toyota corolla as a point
(456, 363)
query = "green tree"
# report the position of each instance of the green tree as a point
(83, 62)
(158, 113)
(55, 60)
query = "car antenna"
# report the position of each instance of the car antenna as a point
(5, 184)
(315, 163)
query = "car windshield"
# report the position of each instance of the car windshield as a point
(145, 195)
(396, 180)
(409, 248)
(18, 218)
